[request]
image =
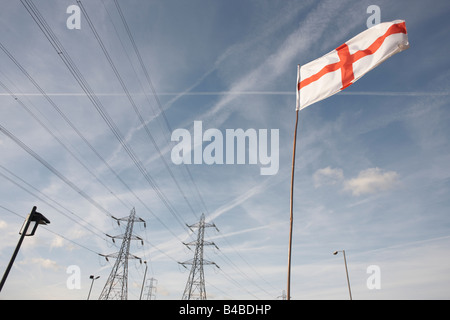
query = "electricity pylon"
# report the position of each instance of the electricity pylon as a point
(195, 286)
(116, 287)
(151, 289)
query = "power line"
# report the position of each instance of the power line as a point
(51, 231)
(28, 110)
(130, 99)
(251, 267)
(155, 95)
(53, 170)
(62, 53)
(168, 126)
(62, 114)
(78, 220)
(78, 132)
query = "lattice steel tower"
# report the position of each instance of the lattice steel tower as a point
(116, 287)
(195, 286)
(150, 289)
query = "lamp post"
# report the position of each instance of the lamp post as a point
(37, 218)
(143, 281)
(346, 271)
(92, 283)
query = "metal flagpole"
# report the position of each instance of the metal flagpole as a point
(292, 193)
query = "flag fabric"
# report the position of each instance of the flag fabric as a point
(340, 68)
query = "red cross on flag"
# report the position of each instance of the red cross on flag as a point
(338, 69)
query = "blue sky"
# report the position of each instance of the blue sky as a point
(372, 167)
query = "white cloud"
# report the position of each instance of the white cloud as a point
(371, 180)
(327, 176)
(3, 224)
(44, 263)
(57, 242)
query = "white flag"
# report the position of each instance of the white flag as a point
(338, 69)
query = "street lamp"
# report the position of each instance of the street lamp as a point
(143, 281)
(37, 218)
(346, 271)
(92, 283)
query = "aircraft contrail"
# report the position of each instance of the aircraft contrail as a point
(218, 93)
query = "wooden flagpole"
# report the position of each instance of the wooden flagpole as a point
(292, 193)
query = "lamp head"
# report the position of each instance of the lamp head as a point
(40, 219)
(335, 253)
(37, 218)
